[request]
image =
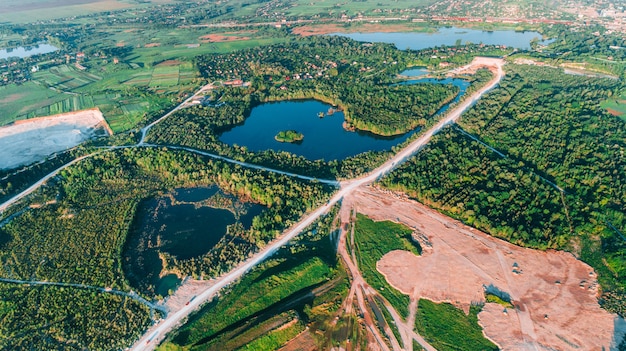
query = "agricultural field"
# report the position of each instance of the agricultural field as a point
(152, 46)
(38, 10)
(22, 101)
(65, 78)
(125, 93)
(351, 8)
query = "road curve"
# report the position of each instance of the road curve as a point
(156, 333)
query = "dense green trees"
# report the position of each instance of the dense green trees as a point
(501, 196)
(54, 318)
(337, 70)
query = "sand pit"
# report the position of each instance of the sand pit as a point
(31, 140)
(555, 295)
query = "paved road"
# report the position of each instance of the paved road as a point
(155, 334)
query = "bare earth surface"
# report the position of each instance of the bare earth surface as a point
(32, 140)
(218, 38)
(554, 293)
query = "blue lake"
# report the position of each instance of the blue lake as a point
(27, 51)
(449, 36)
(324, 138)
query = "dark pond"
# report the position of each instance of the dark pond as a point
(186, 224)
(324, 138)
(450, 36)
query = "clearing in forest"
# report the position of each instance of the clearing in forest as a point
(554, 295)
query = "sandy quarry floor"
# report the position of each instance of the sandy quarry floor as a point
(554, 293)
(31, 140)
(185, 292)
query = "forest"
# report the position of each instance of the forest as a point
(537, 162)
(76, 227)
(57, 318)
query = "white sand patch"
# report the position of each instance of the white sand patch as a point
(32, 140)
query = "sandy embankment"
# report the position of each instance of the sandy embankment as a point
(555, 295)
(31, 140)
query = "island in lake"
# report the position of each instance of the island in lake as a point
(289, 136)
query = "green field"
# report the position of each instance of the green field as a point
(351, 8)
(373, 240)
(37, 10)
(446, 327)
(125, 95)
(34, 100)
(616, 105)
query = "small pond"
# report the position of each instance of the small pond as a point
(27, 51)
(324, 138)
(186, 223)
(450, 36)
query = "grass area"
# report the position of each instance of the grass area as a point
(390, 322)
(497, 299)
(446, 327)
(269, 296)
(616, 105)
(301, 286)
(275, 339)
(254, 293)
(309, 8)
(373, 240)
(38, 10)
(149, 55)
